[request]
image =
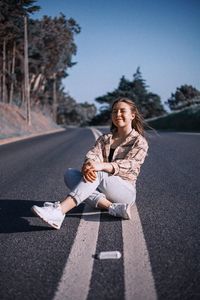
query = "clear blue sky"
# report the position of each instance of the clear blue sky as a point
(160, 36)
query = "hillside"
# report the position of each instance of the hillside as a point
(187, 119)
(13, 122)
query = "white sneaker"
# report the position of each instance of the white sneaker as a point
(50, 213)
(120, 210)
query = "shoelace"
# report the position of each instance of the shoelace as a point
(51, 204)
(112, 210)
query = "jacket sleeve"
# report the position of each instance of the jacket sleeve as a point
(96, 152)
(133, 160)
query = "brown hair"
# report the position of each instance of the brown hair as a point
(137, 123)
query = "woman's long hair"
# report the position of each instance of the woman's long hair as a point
(137, 123)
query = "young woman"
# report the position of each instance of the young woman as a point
(108, 176)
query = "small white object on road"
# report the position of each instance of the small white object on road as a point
(109, 255)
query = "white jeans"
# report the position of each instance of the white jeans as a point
(111, 187)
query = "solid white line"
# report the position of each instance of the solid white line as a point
(75, 281)
(139, 281)
(96, 132)
(26, 137)
(189, 133)
(87, 213)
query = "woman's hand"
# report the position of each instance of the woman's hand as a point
(89, 173)
(90, 176)
(90, 168)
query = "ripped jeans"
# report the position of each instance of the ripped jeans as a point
(110, 187)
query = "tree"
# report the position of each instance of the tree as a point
(49, 54)
(51, 50)
(26, 8)
(147, 102)
(184, 96)
(70, 112)
(6, 34)
(11, 13)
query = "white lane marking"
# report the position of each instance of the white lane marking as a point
(96, 132)
(88, 213)
(16, 139)
(75, 281)
(139, 281)
(189, 133)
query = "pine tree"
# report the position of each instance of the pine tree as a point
(147, 102)
(184, 96)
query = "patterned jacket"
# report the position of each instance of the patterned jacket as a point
(127, 158)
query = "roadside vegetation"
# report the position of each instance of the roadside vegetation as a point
(13, 122)
(186, 119)
(136, 89)
(185, 111)
(35, 57)
(50, 43)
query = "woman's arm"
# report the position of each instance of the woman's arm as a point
(102, 166)
(90, 168)
(133, 160)
(94, 161)
(95, 153)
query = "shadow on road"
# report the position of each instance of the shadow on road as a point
(91, 214)
(13, 214)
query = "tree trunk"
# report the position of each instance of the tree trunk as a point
(54, 98)
(26, 74)
(22, 96)
(12, 74)
(4, 73)
(0, 86)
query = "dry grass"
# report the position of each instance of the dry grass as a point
(13, 122)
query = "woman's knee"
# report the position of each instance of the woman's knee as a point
(118, 190)
(67, 175)
(72, 177)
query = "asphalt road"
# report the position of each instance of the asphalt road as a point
(33, 256)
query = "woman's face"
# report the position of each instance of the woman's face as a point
(122, 115)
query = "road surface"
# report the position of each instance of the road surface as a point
(160, 247)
